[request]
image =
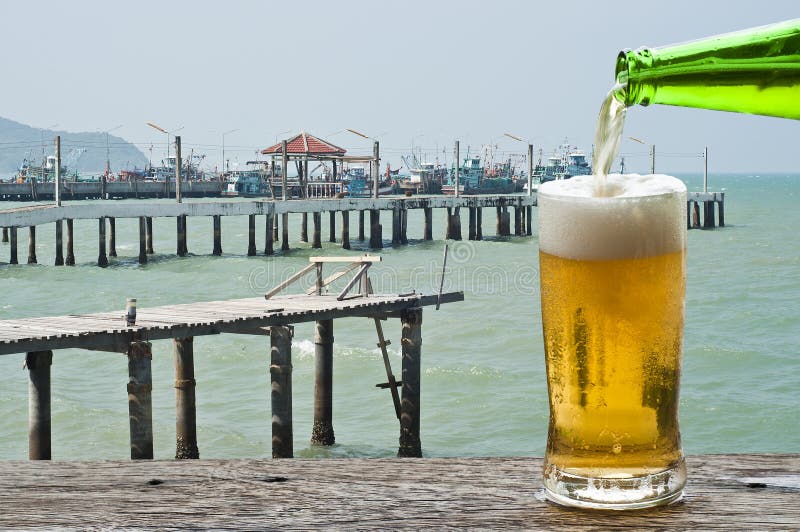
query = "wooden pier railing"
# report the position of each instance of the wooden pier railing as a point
(724, 492)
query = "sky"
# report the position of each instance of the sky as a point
(418, 74)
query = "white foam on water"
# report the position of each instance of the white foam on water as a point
(638, 216)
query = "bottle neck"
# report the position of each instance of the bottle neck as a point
(631, 88)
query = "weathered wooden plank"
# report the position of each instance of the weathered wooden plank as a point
(726, 492)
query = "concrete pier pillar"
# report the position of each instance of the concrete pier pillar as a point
(345, 229)
(32, 245)
(59, 243)
(38, 364)
(140, 403)
(251, 235)
(375, 229)
(322, 432)
(281, 376)
(185, 402)
(411, 342)
(69, 260)
(217, 234)
(102, 258)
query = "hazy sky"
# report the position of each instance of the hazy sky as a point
(402, 72)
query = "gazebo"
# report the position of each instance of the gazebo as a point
(305, 147)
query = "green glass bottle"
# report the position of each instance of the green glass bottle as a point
(753, 71)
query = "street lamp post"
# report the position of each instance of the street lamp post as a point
(108, 151)
(530, 161)
(375, 160)
(652, 153)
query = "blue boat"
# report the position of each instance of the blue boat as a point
(473, 179)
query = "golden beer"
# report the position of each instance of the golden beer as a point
(613, 273)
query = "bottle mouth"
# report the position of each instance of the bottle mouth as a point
(622, 77)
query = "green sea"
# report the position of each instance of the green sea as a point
(483, 377)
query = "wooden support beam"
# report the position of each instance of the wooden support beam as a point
(289, 281)
(427, 231)
(375, 230)
(411, 345)
(285, 235)
(102, 258)
(529, 220)
(13, 246)
(332, 226)
(185, 403)
(317, 230)
(217, 234)
(455, 224)
(251, 235)
(361, 237)
(268, 236)
(69, 260)
(322, 432)
(142, 239)
(140, 403)
(183, 250)
(471, 227)
(148, 235)
(59, 243)
(32, 244)
(112, 237)
(391, 382)
(345, 229)
(304, 227)
(280, 370)
(38, 364)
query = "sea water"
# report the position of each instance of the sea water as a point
(484, 390)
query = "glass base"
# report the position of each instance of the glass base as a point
(625, 492)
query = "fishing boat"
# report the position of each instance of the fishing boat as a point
(473, 179)
(565, 163)
(425, 178)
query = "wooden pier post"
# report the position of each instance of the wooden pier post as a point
(695, 214)
(529, 220)
(102, 259)
(32, 244)
(148, 239)
(332, 226)
(471, 227)
(285, 235)
(455, 224)
(5, 235)
(404, 225)
(317, 237)
(322, 432)
(38, 364)
(428, 226)
(185, 403)
(361, 226)
(142, 238)
(251, 235)
(13, 246)
(280, 370)
(59, 243)
(721, 207)
(396, 227)
(708, 215)
(112, 236)
(69, 260)
(375, 229)
(217, 234)
(140, 403)
(304, 228)
(268, 236)
(345, 229)
(411, 345)
(182, 249)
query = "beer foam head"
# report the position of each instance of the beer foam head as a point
(638, 216)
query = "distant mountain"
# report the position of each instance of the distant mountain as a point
(19, 141)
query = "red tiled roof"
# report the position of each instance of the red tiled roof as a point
(305, 144)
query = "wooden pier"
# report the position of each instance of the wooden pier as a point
(132, 332)
(275, 215)
(724, 492)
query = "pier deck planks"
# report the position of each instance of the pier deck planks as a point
(108, 330)
(726, 492)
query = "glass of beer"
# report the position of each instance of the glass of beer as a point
(613, 278)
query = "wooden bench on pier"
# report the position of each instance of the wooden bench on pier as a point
(272, 315)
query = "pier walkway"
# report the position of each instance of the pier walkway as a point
(725, 492)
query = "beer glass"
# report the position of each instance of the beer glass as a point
(613, 276)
